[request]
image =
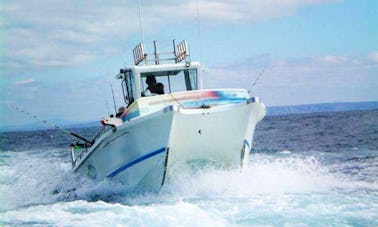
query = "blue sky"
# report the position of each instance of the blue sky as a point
(60, 57)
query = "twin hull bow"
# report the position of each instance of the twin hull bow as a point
(141, 152)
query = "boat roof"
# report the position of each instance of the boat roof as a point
(161, 70)
(178, 60)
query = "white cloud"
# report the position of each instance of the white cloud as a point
(302, 80)
(56, 33)
(242, 11)
(333, 60)
(63, 33)
(373, 57)
(23, 82)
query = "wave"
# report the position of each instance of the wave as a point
(31, 178)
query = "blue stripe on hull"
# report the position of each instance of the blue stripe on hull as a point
(136, 161)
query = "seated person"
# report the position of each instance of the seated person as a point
(153, 87)
(121, 110)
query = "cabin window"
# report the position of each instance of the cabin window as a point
(127, 87)
(191, 79)
(173, 81)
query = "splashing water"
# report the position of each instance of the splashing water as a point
(280, 187)
(277, 189)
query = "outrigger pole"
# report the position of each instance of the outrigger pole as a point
(54, 126)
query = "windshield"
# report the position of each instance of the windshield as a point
(169, 81)
(128, 87)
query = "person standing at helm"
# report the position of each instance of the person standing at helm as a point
(153, 87)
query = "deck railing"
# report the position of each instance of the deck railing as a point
(180, 53)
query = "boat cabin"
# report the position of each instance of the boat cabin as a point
(179, 74)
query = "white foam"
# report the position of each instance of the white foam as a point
(83, 213)
(30, 179)
(265, 175)
(285, 152)
(289, 189)
(34, 178)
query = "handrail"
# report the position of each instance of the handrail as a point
(75, 159)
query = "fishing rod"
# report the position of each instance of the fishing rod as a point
(258, 78)
(54, 126)
(114, 103)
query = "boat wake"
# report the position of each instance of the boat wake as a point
(28, 180)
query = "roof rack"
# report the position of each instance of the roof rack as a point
(180, 53)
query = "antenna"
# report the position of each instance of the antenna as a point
(199, 34)
(140, 22)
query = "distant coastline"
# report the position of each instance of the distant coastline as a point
(271, 111)
(321, 107)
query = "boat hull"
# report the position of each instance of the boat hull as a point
(144, 152)
(134, 154)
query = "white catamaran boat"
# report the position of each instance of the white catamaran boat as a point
(169, 121)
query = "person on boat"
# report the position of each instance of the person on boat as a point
(153, 87)
(121, 110)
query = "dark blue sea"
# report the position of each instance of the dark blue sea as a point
(318, 169)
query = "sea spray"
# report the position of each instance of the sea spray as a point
(29, 179)
(296, 177)
(265, 175)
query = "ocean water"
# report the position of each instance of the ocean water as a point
(317, 169)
